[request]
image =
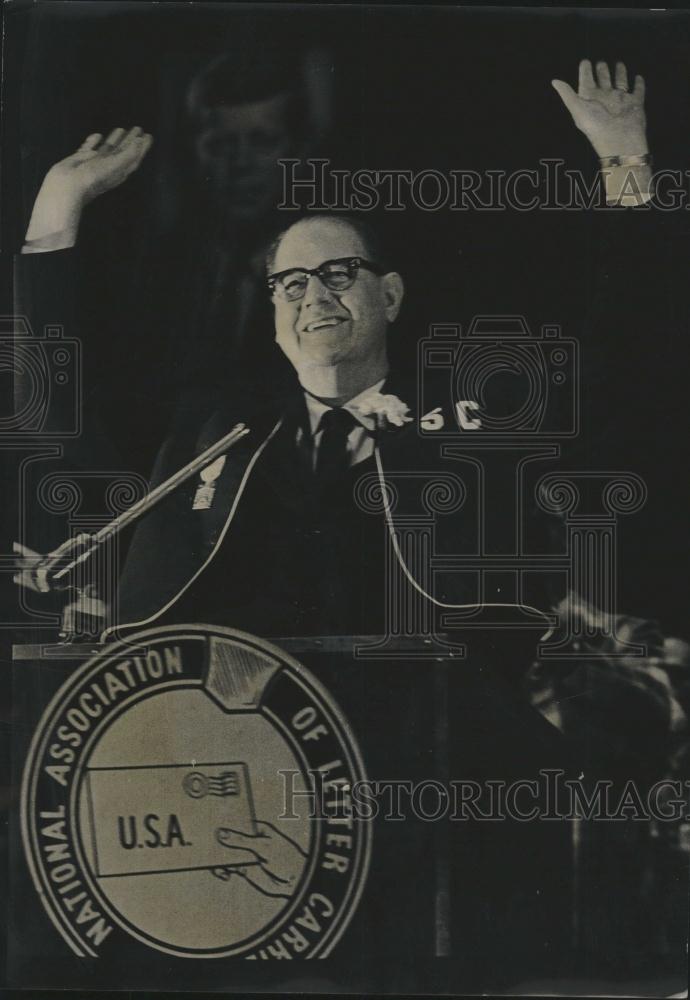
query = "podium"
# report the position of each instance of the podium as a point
(444, 900)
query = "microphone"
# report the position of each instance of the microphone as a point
(54, 569)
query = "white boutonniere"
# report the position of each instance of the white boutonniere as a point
(387, 410)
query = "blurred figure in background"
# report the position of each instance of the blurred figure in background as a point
(243, 112)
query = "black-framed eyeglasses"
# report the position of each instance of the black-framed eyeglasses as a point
(337, 275)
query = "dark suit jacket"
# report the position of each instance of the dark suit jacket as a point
(269, 525)
(266, 550)
(509, 910)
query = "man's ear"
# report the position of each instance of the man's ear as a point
(393, 294)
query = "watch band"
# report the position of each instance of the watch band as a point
(635, 160)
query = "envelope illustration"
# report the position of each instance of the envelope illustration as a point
(163, 818)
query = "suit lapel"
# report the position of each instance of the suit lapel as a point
(277, 465)
(212, 520)
(398, 445)
(284, 468)
(281, 467)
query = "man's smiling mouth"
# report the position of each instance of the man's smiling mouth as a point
(325, 323)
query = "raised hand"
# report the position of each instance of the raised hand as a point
(99, 165)
(610, 115)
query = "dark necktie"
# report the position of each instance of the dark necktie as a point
(332, 460)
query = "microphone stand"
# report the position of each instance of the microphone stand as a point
(52, 572)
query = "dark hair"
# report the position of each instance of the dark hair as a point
(239, 78)
(375, 246)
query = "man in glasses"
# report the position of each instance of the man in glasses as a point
(332, 314)
(335, 293)
(278, 541)
(301, 556)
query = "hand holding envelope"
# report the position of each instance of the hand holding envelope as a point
(273, 863)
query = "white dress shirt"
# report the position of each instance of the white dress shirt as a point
(360, 440)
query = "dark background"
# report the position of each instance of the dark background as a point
(414, 88)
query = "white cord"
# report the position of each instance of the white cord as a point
(411, 579)
(238, 496)
(391, 530)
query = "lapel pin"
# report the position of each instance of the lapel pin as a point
(203, 498)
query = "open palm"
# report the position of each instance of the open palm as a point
(610, 115)
(99, 165)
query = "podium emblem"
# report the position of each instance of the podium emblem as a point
(154, 807)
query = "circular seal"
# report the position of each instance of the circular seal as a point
(189, 788)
